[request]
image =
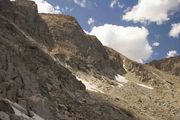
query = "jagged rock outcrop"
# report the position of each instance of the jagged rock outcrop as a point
(33, 78)
(77, 49)
(24, 14)
(13, 111)
(170, 65)
(146, 92)
(48, 65)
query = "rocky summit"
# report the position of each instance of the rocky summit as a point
(170, 65)
(50, 69)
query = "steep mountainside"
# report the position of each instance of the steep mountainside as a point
(32, 80)
(170, 65)
(75, 48)
(50, 69)
(140, 89)
(145, 91)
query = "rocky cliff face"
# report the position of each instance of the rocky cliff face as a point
(24, 14)
(140, 89)
(31, 77)
(50, 68)
(170, 65)
(77, 49)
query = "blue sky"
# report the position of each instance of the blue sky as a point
(155, 18)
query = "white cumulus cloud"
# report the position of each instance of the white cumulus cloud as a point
(91, 21)
(45, 7)
(81, 3)
(175, 30)
(171, 53)
(156, 11)
(156, 44)
(129, 41)
(115, 3)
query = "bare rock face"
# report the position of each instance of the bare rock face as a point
(145, 91)
(4, 116)
(28, 75)
(14, 111)
(5, 107)
(170, 65)
(77, 49)
(32, 78)
(50, 69)
(24, 14)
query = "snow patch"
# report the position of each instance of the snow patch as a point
(120, 78)
(89, 86)
(124, 66)
(145, 86)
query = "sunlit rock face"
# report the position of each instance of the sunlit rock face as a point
(170, 65)
(49, 68)
(77, 49)
(31, 77)
(125, 83)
